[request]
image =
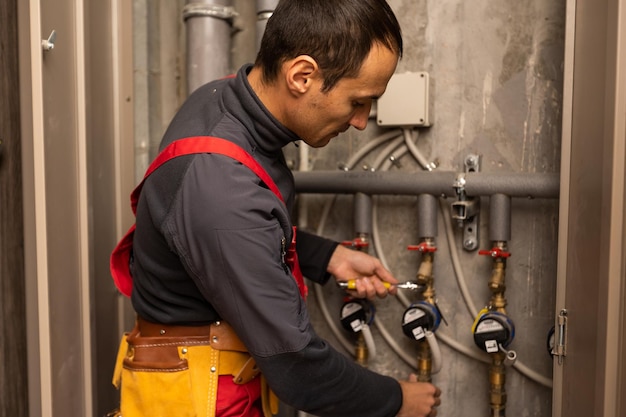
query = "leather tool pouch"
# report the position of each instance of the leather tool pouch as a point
(163, 371)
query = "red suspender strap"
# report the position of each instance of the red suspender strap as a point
(205, 144)
(120, 258)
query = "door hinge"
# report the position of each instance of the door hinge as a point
(560, 337)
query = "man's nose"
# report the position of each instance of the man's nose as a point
(359, 120)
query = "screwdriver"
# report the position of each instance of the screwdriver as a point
(407, 285)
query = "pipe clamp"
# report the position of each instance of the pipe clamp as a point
(209, 10)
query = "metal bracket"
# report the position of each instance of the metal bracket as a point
(466, 210)
(560, 337)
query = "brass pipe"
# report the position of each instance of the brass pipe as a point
(361, 353)
(497, 379)
(497, 286)
(497, 371)
(425, 278)
(424, 362)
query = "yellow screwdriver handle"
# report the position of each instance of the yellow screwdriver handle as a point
(351, 284)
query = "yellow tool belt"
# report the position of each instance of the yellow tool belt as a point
(166, 370)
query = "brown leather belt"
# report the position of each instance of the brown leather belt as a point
(220, 334)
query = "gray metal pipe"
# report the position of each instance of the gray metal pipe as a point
(500, 218)
(209, 26)
(362, 214)
(438, 183)
(426, 216)
(264, 10)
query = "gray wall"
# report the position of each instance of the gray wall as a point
(496, 79)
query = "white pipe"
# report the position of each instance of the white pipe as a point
(435, 352)
(456, 263)
(369, 341)
(410, 139)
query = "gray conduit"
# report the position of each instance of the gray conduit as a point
(500, 218)
(209, 28)
(525, 185)
(427, 216)
(362, 214)
(264, 10)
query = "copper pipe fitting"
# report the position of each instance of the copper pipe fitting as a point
(424, 362)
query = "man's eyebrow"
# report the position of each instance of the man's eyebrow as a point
(368, 96)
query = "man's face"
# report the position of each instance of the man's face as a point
(324, 115)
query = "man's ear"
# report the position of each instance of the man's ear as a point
(299, 73)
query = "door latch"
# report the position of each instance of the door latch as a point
(560, 337)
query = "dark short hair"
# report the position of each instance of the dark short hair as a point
(338, 34)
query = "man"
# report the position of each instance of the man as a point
(211, 236)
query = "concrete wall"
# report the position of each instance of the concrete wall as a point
(496, 78)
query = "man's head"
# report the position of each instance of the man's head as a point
(338, 34)
(323, 62)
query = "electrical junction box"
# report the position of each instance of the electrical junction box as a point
(405, 102)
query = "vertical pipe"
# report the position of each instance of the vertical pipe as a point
(264, 10)
(363, 214)
(208, 27)
(497, 380)
(500, 218)
(427, 216)
(427, 231)
(499, 234)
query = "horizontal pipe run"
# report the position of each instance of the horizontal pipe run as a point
(439, 183)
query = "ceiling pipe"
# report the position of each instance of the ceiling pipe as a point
(438, 183)
(209, 26)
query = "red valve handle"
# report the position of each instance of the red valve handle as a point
(423, 247)
(495, 253)
(356, 243)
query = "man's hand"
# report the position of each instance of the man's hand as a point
(419, 399)
(368, 272)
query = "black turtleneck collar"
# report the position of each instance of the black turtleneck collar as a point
(269, 134)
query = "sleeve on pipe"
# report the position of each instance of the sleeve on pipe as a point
(426, 216)
(363, 213)
(439, 183)
(500, 218)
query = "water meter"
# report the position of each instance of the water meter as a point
(355, 313)
(492, 330)
(419, 318)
